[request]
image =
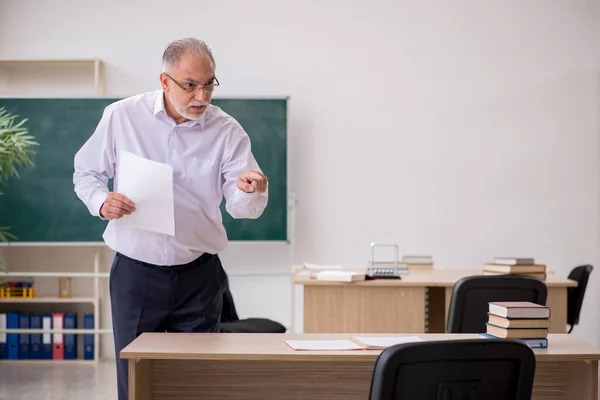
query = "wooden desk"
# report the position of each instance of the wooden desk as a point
(417, 303)
(169, 366)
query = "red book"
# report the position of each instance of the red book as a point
(57, 338)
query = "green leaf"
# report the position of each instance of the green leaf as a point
(5, 235)
(16, 150)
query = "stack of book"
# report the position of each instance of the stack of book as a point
(519, 320)
(515, 266)
(418, 262)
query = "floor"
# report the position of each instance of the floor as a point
(48, 380)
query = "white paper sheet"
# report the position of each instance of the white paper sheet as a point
(149, 184)
(323, 345)
(321, 266)
(386, 341)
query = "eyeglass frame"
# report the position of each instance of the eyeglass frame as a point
(214, 84)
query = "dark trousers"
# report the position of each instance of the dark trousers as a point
(150, 298)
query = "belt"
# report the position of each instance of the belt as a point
(197, 262)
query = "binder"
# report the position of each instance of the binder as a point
(3, 347)
(46, 337)
(88, 339)
(35, 346)
(24, 338)
(58, 352)
(70, 339)
(12, 339)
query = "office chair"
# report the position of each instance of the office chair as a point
(575, 295)
(471, 369)
(468, 312)
(231, 323)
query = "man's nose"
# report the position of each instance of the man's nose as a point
(201, 95)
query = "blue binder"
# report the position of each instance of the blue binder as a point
(12, 339)
(88, 339)
(46, 337)
(3, 346)
(24, 338)
(70, 339)
(35, 346)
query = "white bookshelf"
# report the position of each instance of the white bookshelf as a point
(96, 275)
(57, 274)
(48, 299)
(92, 67)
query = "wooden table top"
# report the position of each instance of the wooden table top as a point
(270, 346)
(433, 278)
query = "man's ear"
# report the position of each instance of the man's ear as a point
(164, 81)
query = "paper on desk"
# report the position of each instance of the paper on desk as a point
(381, 342)
(149, 184)
(323, 345)
(321, 266)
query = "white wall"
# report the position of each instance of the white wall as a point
(465, 129)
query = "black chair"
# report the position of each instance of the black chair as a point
(471, 369)
(231, 323)
(468, 312)
(575, 295)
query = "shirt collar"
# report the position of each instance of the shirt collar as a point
(159, 106)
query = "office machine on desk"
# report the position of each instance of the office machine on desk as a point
(385, 269)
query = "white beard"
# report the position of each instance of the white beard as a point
(183, 110)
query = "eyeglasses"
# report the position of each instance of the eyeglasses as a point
(193, 88)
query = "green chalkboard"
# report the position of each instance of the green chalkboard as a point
(42, 206)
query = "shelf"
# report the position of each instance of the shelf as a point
(18, 61)
(52, 244)
(95, 65)
(34, 303)
(57, 274)
(47, 361)
(58, 331)
(47, 300)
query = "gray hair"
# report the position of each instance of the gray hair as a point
(178, 48)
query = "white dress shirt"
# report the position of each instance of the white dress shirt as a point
(207, 157)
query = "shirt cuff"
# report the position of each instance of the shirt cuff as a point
(248, 198)
(97, 202)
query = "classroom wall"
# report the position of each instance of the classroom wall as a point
(464, 129)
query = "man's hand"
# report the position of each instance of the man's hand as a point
(252, 182)
(115, 206)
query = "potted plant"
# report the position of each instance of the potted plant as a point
(16, 149)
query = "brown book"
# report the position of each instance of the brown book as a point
(519, 269)
(523, 333)
(518, 309)
(518, 323)
(541, 276)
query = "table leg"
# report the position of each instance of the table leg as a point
(437, 310)
(140, 379)
(557, 301)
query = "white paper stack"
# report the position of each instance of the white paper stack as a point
(340, 276)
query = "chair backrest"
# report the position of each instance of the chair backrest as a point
(471, 369)
(468, 312)
(575, 295)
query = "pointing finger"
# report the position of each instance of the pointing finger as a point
(256, 176)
